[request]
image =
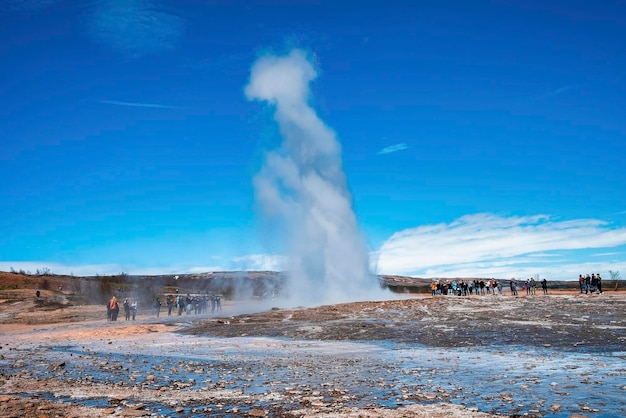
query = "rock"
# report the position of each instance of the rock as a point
(115, 400)
(46, 407)
(130, 412)
(257, 413)
(180, 410)
(56, 366)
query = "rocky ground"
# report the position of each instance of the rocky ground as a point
(564, 321)
(442, 356)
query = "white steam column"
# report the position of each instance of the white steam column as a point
(303, 184)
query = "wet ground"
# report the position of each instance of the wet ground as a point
(565, 322)
(552, 356)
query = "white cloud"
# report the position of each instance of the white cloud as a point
(260, 262)
(488, 244)
(393, 148)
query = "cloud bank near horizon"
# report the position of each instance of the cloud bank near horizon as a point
(479, 245)
(251, 262)
(490, 245)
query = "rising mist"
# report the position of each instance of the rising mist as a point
(302, 183)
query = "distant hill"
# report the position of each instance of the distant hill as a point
(240, 285)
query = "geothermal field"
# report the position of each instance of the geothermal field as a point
(410, 355)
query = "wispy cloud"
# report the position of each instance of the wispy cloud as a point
(232, 63)
(137, 104)
(393, 148)
(27, 6)
(136, 27)
(488, 244)
(558, 91)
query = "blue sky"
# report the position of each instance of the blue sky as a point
(477, 138)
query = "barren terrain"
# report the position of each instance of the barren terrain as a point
(561, 355)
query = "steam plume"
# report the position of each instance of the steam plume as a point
(302, 183)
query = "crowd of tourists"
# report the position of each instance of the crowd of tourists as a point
(486, 287)
(590, 283)
(113, 309)
(189, 304)
(175, 304)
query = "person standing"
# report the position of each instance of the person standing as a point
(181, 305)
(544, 286)
(170, 305)
(513, 286)
(594, 283)
(126, 309)
(599, 282)
(116, 311)
(112, 308)
(581, 283)
(133, 308)
(157, 307)
(587, 284)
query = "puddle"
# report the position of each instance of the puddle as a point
(263, 371)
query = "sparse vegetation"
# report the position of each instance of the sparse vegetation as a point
(44, 272)
(615, 276)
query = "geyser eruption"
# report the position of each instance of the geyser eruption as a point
(303, 184)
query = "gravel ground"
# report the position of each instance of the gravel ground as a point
(416, 357)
